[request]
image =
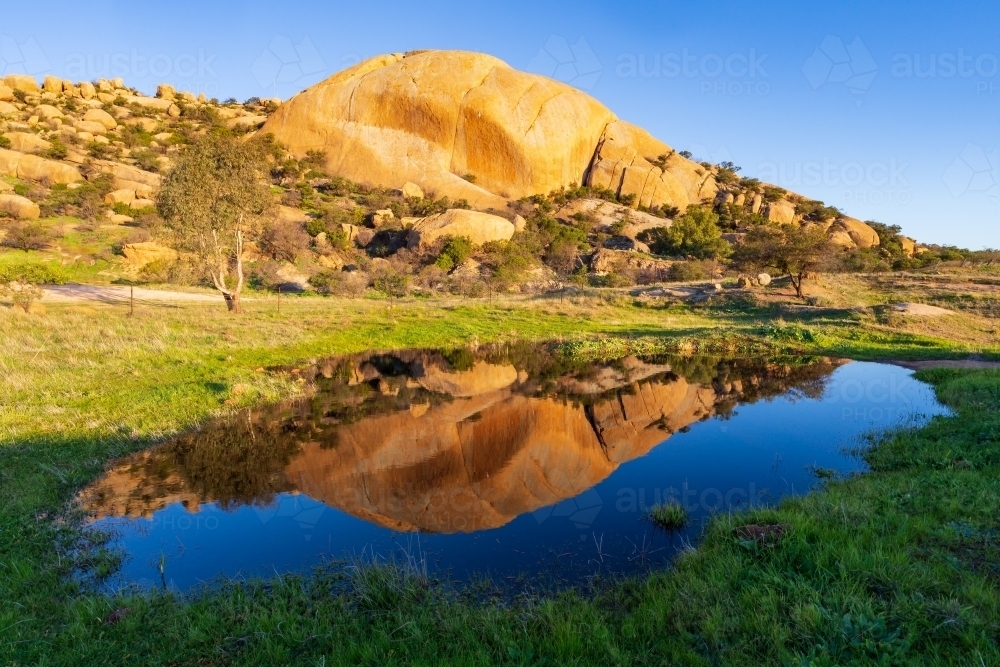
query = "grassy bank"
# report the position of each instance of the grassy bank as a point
(898, 563)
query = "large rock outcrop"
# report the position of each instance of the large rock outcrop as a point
(469, 126)
(478, 227)
(32, 167)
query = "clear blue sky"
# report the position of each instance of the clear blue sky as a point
(887, 110)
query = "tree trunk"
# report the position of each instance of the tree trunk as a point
(232, 303)
(797, 285)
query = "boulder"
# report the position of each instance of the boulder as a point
(142, 190)
(141, 254)
(139, 204)
(166, 91)
(909, 245)
(360, 236)
(6, 93)
(479, 228)
(128, 173)
(90, 127)
(861, 234)
(519, 223)
(106, 98)
(625, 243)
(482, 378)
(100, 116)
(19, 207)
(412, 190)
(31, 167)
(781, 212)
(150, 102)
(119, 197)
(174, 111)
(763, 279)
(620, 164)
(22, 82)
(52, 84)
(87, 90)
(26, 142)
(433, 117)
(47, 112)
(246, 121)
(85, 137)
(382, 217)
(7, 109)
(145, 124)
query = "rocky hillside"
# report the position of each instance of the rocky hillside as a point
(406, 171)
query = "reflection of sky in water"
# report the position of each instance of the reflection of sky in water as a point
(761, 452)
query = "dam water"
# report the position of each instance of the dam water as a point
(514, 463)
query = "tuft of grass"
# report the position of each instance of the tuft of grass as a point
(670, 515)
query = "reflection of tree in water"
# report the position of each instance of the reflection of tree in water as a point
(243, 460)
(233, 463)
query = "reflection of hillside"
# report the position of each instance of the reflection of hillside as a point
(417, 441)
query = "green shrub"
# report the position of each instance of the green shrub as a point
(610, 280)
(57, 151)
(35, 273)
(4, 142)
(456, 250)
(691, 270)
(100, 151)
(695, 234)
(146, 159)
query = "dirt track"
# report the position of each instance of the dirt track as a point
(120, 294)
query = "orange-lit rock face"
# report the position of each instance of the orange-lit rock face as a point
(433, 118)
(475, 451)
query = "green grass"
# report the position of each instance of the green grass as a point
(898, 565)
(670, 515)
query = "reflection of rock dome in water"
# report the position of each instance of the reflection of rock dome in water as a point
(481, 449)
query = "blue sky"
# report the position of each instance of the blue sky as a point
(886, 110)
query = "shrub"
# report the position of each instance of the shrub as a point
(696, 233)
(340, 283)
(864, 260)
(100, 151)
(391, 283)
(27, 236)
(816, 211)
(4, 142)
(691, 270)
(456, 249)
(284, 240)
(610, 280)
(35, 273)
(57, 151)
(146, 159)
